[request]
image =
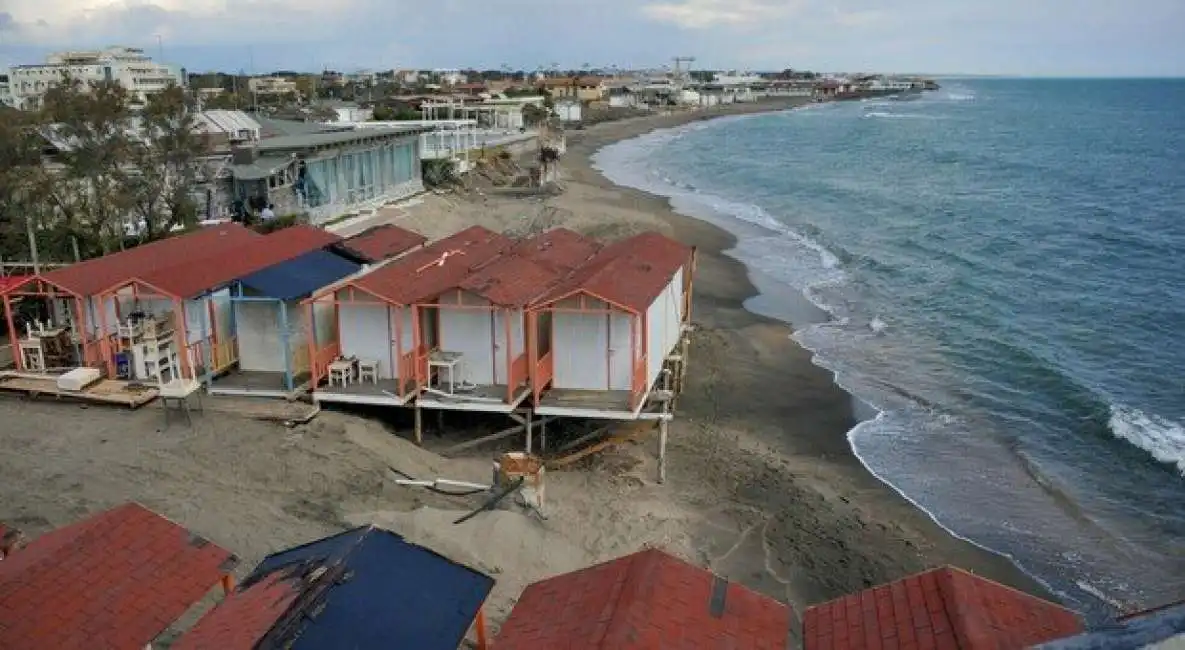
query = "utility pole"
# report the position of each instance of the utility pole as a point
(32, 244)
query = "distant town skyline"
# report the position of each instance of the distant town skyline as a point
(996, 37)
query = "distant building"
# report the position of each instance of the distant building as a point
(585, 89)
(5, 94)
(271, 86)
(128, 66)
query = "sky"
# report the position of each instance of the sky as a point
(1006, 37)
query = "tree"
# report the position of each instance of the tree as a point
(163, 161)
(20, 163)
(89, 126)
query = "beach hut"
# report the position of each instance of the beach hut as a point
(940, 608)
(604, 334)
(74, 310)
(270, 331)
(379, 327)
(176, 323)
(649, 599)
(118, 579)
(364, 589)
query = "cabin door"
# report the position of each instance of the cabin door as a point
(621, 351)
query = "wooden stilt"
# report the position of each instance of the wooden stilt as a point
(662, 451)
(440, 420)
(530, 418)
(419, 425)
(543, 435)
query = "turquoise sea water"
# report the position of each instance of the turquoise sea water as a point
(1003, 264)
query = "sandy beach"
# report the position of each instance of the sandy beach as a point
(762, 485)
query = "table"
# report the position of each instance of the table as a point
(442, 359)
(178, 392)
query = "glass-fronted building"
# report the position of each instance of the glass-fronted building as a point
(330, 173)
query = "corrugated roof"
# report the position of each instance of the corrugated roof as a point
(511, 281)
(90, 277)
(367, 588)
(226, 121)
(263, 167)
(300, 276)
(425, 273)
(330, 138)
(941, 609)
(631, 272)
(115, 580)
(642, 601)
(384, 242)
(193, 278)
(560, 248)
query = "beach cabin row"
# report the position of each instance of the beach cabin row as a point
(219, 306)
(478, 321)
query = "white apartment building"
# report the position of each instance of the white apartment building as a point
(129, 66)
(271, 85)
(5, 94)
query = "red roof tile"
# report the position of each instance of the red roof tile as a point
(442, 265)
(115, 580)
(643, 601)
(942, 609)
(559, 248)
(90, 277)
(193, 277)
(629, 273)
(384, 242)
(240, 621)
(510, 281)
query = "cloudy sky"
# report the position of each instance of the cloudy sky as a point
(1029, 37)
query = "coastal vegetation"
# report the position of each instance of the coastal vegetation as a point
(90, 171)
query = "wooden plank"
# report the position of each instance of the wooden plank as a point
(629, 433)
(105, 391)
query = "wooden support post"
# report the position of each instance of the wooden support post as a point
(13, 335)
(440, 420)
(480, 624)
(543, 435)
(419, 425)
(662, 451)
(530, 417)
(228, 584)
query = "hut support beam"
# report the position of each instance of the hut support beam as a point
(419, 425)
(662, 451)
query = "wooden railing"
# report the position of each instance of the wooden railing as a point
(413, 369)
(226, 354)
(196, 355)
(320, 363)
(544, 369)
(638, 383)
(517, 375)
(300, 359)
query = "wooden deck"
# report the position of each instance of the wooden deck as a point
(384, 393)
(483, 398)
(594, 404)
(255, 383)
(105, 391)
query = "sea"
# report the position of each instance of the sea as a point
(996, 271)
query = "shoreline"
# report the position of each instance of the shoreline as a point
(729, 306)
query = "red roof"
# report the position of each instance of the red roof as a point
(115, 580)
(384, 242)
(510, 281)
(629, 273)
(196, 276)
(90, 277)
(643, 601)
(440, 266)
(240, 621)
(7, 281)
(941, 609)
(559, 248)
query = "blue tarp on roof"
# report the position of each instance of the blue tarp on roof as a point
(395, 595)
(300, 276)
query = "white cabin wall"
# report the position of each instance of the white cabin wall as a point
(324, 321)
(258, 331)
(222, 314)
(197, 320)
(579, 345)
(407, 341)
(470, 332)
(622, 352)
(364, 331)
